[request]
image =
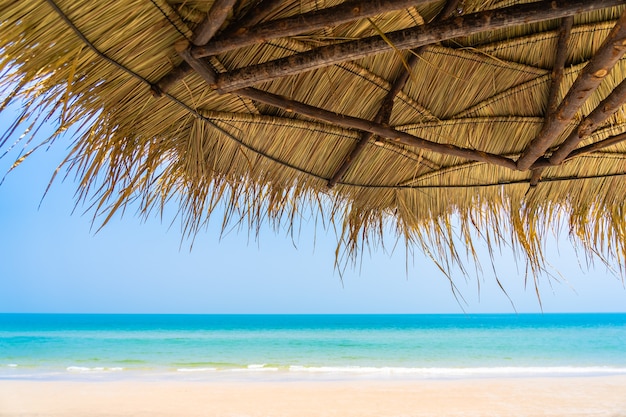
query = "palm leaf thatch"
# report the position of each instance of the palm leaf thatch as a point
(446, 121)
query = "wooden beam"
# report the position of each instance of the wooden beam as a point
(214, 19)
(407, 39)
(203, 69)
(542, 163)
(613, 140)
(559, 64)
(253, 16)
(588, 80)
(177, 73)
(302, 23)
(384, 113)
(383, 116)
(350, 122)
(386, 132)
(557, 78)
(605, 109)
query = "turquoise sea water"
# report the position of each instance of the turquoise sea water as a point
(49, 346)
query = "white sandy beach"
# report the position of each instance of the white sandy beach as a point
(589, 396)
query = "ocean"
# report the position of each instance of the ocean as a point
(326, 347)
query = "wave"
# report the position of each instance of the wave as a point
(196, 369)
(462, 372)
(94, 369)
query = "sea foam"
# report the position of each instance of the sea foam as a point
(94, 369)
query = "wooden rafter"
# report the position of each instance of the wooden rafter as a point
(302, 23)
(557, 78)
(594, 147)
(605, 109)
(252, 17)
(383, 116)
(386, 132)
(404, 39)
(350, 122)
(588, 80)
(384, 112)
(214, 19)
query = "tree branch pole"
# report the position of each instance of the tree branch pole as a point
(302, 23)
(252, 17)
(350, 122)
(383, 116)
(557, 78)
(587, 82)
(613, 140)
(384, 113)
(605, 109)
(406, 39)
(212, 22)
(593, 147)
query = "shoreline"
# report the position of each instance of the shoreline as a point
(505, 396)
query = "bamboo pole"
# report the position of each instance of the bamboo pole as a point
(406, 39)
(306, 22)
(605, 109)
(213, 21)
(588, 80)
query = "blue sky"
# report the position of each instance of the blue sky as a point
(53, 261)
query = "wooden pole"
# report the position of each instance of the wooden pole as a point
(613, 140)
(383, 116)
(557, 78)
(588, 80)
(178, 73)
(387, 132)
(406, 39)
(350, 122)
(213, 21)
(252, 17)
(542, 163)
(559, 64)
(306, 22)
(605, 109)
(386, 108)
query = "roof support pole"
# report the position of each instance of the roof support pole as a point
(588, 80)
(214, 19)
(405, 39)
(557, 78)
(384, 113)
(605, 109)
(594, 147)
(252, 17)
(306, 22)
(350, 122)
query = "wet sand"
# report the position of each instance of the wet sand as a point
(588, 396)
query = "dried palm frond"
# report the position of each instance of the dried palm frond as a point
(158, 122)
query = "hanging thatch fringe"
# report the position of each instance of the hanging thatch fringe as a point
(442, 179)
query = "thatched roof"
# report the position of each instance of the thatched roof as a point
(447, 121)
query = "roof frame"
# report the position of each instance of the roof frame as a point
(242, 33)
